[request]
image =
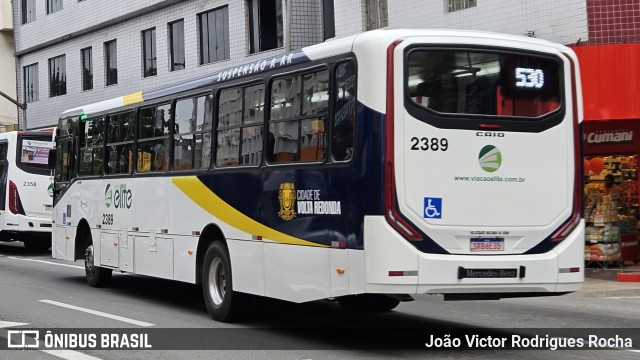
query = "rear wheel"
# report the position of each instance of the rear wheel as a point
(223, 304)
(96, 276)
(368, 303)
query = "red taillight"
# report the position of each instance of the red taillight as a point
(14, 198)
(390, 199)
(573, 222)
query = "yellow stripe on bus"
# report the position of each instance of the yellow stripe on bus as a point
(195, 190)
(132, 98)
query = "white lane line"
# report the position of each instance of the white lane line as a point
(70, 355)
(6, 324)
(622, 297)
(99, 313)
(46, 262)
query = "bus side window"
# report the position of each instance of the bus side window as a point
(240, 119)
(153, 138)
(344, 115)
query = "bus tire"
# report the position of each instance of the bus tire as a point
(96, 276)
(368, 303)
(223, 304)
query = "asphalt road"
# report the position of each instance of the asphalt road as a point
(37, 292)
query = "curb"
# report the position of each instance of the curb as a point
(629, 277)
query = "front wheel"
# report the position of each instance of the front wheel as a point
(368, 303)
(96, 276)
(223, 304)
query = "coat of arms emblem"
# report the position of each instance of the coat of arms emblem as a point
(287, 198)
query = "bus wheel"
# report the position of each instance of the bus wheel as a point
(223, 304)
(368, 303)
(96, 276)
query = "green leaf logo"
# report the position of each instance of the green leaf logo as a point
(490, 158)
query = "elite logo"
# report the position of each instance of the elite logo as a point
(490, 158)
(118, 196)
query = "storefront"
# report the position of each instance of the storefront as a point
(611, 146)
(611, 150)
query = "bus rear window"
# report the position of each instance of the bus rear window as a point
(483, 83)
(34, 153)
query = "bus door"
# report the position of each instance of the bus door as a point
(484, 149)
(65, 172)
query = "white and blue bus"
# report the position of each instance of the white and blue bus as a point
(366, 169)
(26, 188)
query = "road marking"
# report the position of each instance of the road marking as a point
(6, 324)
(46, 262)
(99, 313)
(70, 355)
(623, 297)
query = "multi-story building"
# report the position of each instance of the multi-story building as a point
(8, 111)
(78, 52)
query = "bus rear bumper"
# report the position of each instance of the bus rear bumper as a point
(394, 266)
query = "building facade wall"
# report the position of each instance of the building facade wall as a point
(68, 31)
(8, 111)
(559, 21)
(29, 37)
(613, 21)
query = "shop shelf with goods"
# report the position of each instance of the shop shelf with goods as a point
(611, 212)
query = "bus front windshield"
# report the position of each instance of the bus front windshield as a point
(33, 152)
(481, 82)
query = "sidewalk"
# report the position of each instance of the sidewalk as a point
(599, 282)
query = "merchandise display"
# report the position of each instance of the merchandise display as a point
(611, 211)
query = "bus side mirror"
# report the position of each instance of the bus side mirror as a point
(51, 161)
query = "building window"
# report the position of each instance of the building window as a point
(176, 45)
(455, 5)
(31, 83)
(111, 62)
(53, 6)
(149, 52)
(376, 14)
(87, 69)
(265, 25)
(57, 76)
(28, 11)
(214, 35)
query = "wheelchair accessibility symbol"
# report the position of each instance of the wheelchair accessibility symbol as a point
(432, 208)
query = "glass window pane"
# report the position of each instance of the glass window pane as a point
(251, 145)
(285, 98)
(285, 141)
(253, 104)
(482, 82)
(345, 112)
(154, 121)
(230, 108)
(316, 93)
(228, 146)
(153, 155)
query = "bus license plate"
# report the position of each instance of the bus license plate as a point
(487, 244)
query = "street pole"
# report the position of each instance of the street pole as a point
(21, 106)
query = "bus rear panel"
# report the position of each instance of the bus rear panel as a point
(482, 171)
